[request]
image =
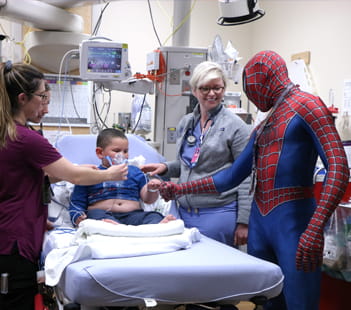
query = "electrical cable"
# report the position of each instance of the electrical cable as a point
(153, 24)
(187, 16)
(97, 114)
(170, 18)
(98, 23)
(67, 65)
(99, 38)
(95, 110)
(27, 59)
(141, 111)
(64, 63)
(108, 104)
(95, 124)
(73, 101)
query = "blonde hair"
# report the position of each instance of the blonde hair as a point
(207, 71)
(14, 80)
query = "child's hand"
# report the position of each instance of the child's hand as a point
(81, 218)
(49, 225)
(153, 185)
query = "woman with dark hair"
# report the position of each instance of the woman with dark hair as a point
(25, 158)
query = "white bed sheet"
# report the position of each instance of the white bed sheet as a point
(100, 240)
(207, 272)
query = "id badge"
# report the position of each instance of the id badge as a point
(195, 157)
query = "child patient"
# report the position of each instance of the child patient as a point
(113, 202)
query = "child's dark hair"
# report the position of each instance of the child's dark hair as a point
(105, 136)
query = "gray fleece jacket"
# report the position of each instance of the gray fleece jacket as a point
(222, 144)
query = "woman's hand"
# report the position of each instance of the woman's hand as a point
(240, 234)
(153, 169)
(118, 172)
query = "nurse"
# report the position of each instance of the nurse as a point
(209, 140)
(25, 158)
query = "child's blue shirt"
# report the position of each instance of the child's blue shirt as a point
(86, 195)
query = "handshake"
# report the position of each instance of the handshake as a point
(170, 190)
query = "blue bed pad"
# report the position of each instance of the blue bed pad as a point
(207, 272)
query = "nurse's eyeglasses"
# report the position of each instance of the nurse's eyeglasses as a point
(44, 98)
(205, 90)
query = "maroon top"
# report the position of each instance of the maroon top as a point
(22, 214)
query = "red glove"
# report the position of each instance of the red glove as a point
(170, 190)
(309, 253)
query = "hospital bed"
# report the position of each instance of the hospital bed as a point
(208, 272)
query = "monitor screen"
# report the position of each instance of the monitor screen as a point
(104, 61)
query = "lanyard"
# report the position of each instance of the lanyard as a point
(204, 132)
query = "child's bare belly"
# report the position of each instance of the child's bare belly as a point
(116, 205)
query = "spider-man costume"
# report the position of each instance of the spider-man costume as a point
(286, 226)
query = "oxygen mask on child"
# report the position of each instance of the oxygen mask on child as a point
(118, 159)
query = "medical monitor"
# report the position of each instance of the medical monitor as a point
(103, 60)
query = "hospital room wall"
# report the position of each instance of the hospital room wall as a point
(130, 22)
(289, 27)
(319, 26)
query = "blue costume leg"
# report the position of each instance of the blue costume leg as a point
(217, 223)
(274, 237)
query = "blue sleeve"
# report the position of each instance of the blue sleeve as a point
(78, 203)
(138, 177)
(241, 168)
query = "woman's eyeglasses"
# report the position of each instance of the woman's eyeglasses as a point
(206, 90)
(44, 98)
